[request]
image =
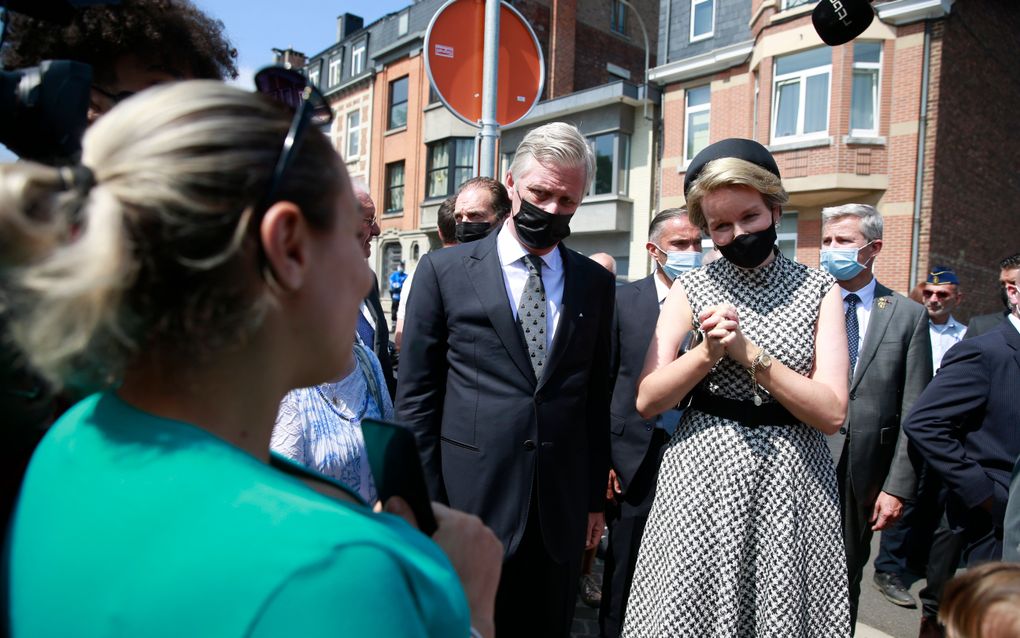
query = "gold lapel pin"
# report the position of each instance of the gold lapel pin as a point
(882, 303)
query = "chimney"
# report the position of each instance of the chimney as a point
(561, 48)
(289, 58)
(347, 24)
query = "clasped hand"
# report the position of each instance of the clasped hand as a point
(721, 325)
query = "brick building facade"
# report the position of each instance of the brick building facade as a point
(871, 122)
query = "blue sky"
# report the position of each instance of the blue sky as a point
(255, 27)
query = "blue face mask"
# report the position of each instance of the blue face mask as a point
(842, 262)
(679, 261)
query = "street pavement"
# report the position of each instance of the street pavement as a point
(878, 618)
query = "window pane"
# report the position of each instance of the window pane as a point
(697, 132)
(438, 186)
(787, 223)
(440, 156)
(399, 91)
(465, 153)
(603, 147)
(623, 165)
(868, 52)
(461, 175)
(803, 60)
(786, 109)
(398, 103)
(862, 102)
(699, 95)
(816, 103)
(703, 17)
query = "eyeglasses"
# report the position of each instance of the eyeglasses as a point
(291, 89)
(940, 294)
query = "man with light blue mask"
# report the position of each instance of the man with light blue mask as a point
(890, 364)
(636, 444)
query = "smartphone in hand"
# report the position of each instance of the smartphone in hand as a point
(396, 469)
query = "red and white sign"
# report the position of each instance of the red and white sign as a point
(460, 26)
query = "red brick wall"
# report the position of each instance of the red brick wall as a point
(976, 184)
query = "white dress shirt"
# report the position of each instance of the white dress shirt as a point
(944, 337)
(1013, 319)
(661, 289)
(867, 297)
(515, 277)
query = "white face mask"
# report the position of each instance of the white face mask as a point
(679, 261)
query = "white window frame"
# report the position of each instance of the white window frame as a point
(801, 77)
(402, 21)
(335, 69)
(353, 133)
(876, 92)
(313, 76)
(358, 59)
(792, 4)
(711, 30)
(689, 110)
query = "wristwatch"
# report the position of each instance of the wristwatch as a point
(761, 361)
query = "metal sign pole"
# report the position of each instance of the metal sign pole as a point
(490, 127)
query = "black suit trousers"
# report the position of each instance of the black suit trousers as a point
(536, 595)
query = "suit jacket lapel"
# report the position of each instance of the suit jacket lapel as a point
(882, 309)
(1012, 339)
(569, 313)
(486, 276)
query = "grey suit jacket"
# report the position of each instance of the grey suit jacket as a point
(893, 368)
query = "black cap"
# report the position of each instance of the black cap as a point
(738, 147)
(840, 21)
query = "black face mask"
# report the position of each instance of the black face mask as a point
(471, 231)
(750, 249)
(539, 229)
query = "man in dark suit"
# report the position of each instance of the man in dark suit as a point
(372, 328)
(504, 379)
(965, 426)
(890, 363)
(637, 444)
(1009, 270)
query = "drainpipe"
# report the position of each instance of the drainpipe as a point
(922, 130)
(644, 32)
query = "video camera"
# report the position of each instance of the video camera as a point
(43, 109)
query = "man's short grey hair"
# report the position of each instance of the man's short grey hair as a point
(660, 219)
(871, 219)
(556, 143)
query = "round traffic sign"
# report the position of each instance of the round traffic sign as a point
(454, 57)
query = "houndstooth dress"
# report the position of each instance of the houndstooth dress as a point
(744, 535)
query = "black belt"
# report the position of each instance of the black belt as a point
(744, 412)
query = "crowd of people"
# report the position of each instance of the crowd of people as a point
(192, 299)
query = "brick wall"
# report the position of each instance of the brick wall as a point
(976, 183)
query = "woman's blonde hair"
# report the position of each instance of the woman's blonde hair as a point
(983, 602)
(154, 243)
(731, 171)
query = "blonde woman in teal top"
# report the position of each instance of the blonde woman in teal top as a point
(194, 269)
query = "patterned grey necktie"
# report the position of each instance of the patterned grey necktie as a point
(853, 329)
(531, 314)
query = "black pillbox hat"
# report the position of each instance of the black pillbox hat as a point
(737, 147)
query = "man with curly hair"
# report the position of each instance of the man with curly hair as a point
(131, 46)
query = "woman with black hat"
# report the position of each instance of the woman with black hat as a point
(744, 534)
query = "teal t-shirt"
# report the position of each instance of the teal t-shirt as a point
(134, 525)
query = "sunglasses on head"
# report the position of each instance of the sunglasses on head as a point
(290, 88)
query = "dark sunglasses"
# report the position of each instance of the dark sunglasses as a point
(941, 294)
(291, 89)
(115, 98)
